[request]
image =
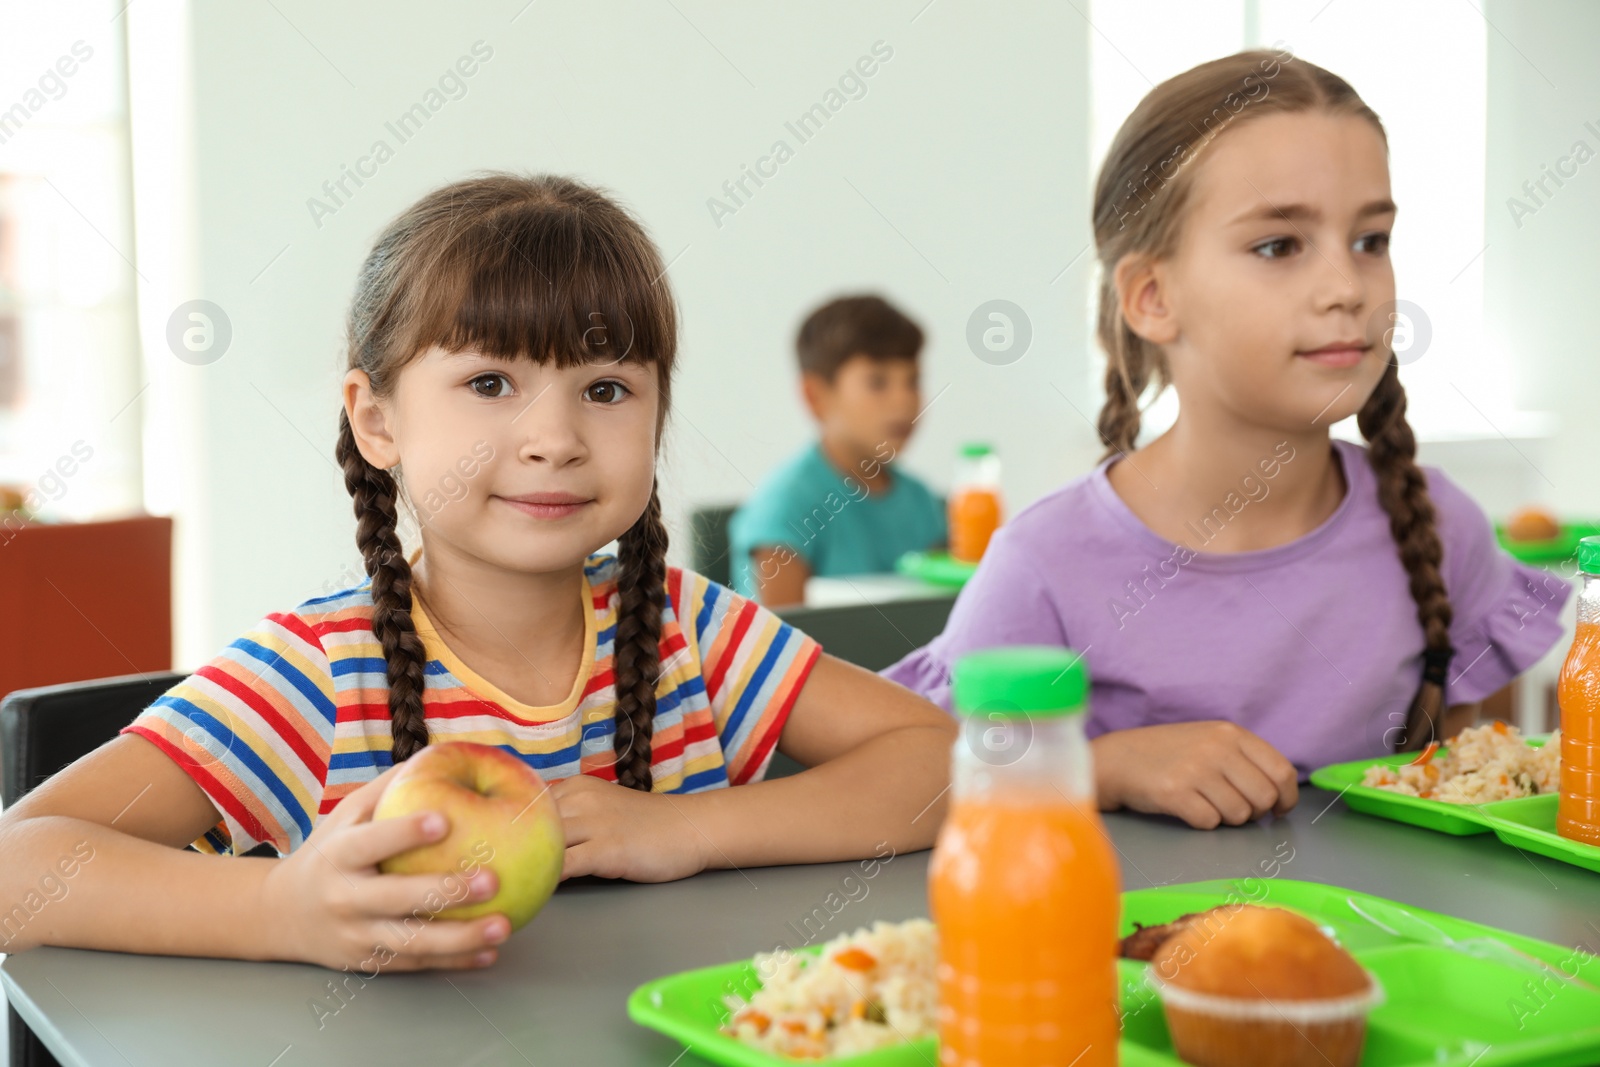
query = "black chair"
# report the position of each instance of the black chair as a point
(43, 730)
(872, 635)
(709, 544)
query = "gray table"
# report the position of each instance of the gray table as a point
(557, 995)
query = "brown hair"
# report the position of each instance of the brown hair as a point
(1139, 201)
(855, 325)
(543, 268)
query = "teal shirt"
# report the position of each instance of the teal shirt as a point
(830, 520)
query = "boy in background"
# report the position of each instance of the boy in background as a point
(840, 506)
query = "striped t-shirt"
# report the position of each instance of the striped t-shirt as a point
(293, 715)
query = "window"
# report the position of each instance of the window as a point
(69, 367)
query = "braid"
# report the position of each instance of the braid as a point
(1403, 492)
(1128, 366)
(641, 587)
(1119, 416)
(373, 491)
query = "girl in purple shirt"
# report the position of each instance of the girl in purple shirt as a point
(1253, 599)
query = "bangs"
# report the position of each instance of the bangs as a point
(549, 282)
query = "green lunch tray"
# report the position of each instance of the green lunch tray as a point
(1452, 988)
(940, 568)
(1528, 823)
(1558, 548)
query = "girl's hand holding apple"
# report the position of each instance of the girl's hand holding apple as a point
(328, 904)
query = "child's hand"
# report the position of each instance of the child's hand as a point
(328, 903)
(1205, 773)
(615, 832)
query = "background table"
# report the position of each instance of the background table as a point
(849, 590)
(557, 995)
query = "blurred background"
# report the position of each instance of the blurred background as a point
(187, 189)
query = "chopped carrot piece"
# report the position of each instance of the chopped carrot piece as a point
(858, 1010)
(1499, 727)
(794, 1026)
(753, 1015)
(1426, 754)
(855, 959)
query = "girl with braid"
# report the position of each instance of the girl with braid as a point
(511, 346)
(1253, 598)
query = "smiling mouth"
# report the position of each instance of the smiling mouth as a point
(551, 506)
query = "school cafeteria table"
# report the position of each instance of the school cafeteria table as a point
(557, 994)
(850, 590)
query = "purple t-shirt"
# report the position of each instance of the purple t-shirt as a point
(1313, 645)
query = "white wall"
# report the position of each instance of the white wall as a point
(960, 176)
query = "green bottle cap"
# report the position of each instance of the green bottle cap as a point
(976, 450)
(1589, 555)
(1025, 681)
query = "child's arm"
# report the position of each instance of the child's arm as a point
(1205, 773)
(1458, 717)
(780, 575)
(879, 769)
(118, 819)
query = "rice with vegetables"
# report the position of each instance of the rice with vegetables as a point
(866, 990)
(1481, 764)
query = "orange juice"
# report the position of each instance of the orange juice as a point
(974, 517)
(1023, 883)
(974, 508)
(1578, 692)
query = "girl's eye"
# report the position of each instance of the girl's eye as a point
(500, 378)
(1276, 248)
(1375, 244)
(609, 391)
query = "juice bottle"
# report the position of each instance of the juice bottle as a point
(974, 502)
(1023, 884)
(1578, 808)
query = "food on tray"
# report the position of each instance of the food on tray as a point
(866, 990)
(1256, 952)
(1532, 524)
(1480, 764)
(1243, 984)
(1146, 941)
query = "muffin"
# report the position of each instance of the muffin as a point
(1243, 984)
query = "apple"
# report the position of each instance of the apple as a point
(502, 817)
